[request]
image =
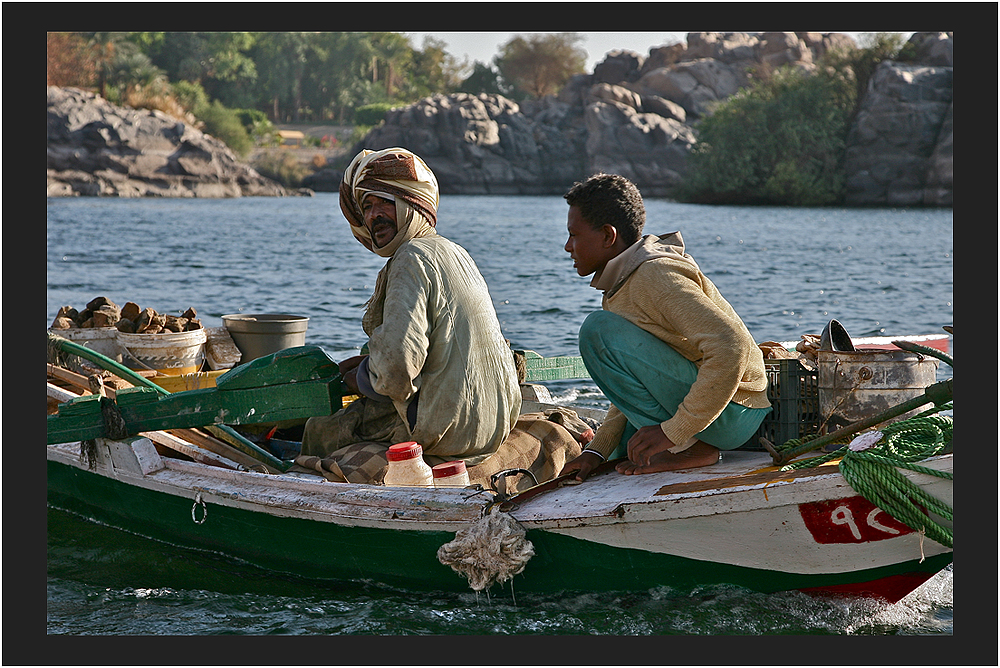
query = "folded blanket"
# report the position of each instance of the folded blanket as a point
(541, 443)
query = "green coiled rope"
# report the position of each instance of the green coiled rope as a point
(873, 473)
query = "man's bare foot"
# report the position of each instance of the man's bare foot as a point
(699, 454)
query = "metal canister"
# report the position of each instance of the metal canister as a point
(858, 384)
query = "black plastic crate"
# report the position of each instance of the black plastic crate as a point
(793, 391)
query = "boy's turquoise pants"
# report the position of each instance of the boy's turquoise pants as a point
(647, 380)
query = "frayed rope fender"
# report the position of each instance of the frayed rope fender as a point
(491, 551)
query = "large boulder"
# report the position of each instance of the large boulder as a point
(646, 148)
(486, 144)
(618, 66)
(695, 85)
(99, 149)
(900, 146)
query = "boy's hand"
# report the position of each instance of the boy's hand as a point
(583, 465)
(646, 443)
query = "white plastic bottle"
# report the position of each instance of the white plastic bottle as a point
(407, 467)
(451, 474)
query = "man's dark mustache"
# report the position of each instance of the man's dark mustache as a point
(383, 220)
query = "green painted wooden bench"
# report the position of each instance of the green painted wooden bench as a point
(290, 384)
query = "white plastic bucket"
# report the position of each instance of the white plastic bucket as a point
(260, 334)
(101, 340)
(172, 354)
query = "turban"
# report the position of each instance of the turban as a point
(398, 175)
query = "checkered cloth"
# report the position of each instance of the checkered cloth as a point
(540, 442)
(358, 462)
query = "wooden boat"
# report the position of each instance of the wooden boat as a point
(939, 342)
(744, 521)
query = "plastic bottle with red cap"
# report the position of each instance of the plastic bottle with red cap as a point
(407, 467)
(451, 474)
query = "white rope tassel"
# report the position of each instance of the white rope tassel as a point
(491, 551)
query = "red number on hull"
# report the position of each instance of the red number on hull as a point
(850, 520)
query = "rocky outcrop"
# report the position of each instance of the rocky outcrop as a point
(900, 147)
(636, 116)
(99, 149)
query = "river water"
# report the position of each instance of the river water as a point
(787, 271)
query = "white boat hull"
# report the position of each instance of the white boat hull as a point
(739, 521)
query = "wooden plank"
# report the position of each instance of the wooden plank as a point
(81, 381)
(769, 475)
(198, 408)
(182, 446)
(198, 380)
(58, 393)
(77, 380)
(205, 441)
(143, 409)
(79, 418)
(196, 445)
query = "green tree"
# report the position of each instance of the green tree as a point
(258, 126)
(393, 55)
(781, 141)
(339, 74)
(125, 73)
(283, 58)
(130, 72)
(103, 48)
(218, 61)
(434, 70)
(860, 63)
(371, 114)
(190, 94)
(484, 79)
(541, 64)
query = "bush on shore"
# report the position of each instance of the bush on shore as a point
(283, 167)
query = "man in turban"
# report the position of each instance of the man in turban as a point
(438, 370)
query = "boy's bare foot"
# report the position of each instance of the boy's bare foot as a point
(699, 454)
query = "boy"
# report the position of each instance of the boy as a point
(683, 374)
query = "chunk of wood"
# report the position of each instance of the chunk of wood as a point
(130, 311)
(60, 394)
(219, 447)
(171, 441)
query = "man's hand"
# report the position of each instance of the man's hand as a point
(349, 372)
(583, 465)
(646, 443)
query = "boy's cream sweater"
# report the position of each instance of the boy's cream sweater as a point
(655, 285)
